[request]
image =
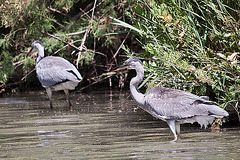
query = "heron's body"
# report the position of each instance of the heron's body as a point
(55, 73)
(171, 105)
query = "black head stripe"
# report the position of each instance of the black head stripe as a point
(37, 41)
(134, 59)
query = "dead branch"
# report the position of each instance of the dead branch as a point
(114, 56)
(94, 83)
(28, 74)
(70, 44)
(85, 13)
(108, 75)
(86, 33)
(57, 11)
(19, 63)
(80, 14)
(71, 34)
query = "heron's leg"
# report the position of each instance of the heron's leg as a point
(177, 127)
(49, 93)
(68, 99)
(171, 124)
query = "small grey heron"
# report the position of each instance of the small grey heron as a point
(55, 73)
(172, 105)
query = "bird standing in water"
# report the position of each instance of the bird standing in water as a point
(55, 73)
(171, 105)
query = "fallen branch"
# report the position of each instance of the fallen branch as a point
(108, 75)
(94, 83)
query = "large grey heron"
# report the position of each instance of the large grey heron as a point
(172, 105)
(55, 73)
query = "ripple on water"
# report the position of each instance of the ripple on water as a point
(103, 125)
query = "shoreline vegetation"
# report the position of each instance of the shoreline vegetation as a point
(188, 45)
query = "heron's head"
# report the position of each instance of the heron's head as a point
(35, 47)
(131, 63)
(37, 44)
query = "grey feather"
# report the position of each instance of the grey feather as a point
(172, 105)
(55, 73)
(177, 104)
(54, 70)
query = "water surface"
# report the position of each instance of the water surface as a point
(103, 125)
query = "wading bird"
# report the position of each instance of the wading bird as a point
(171, 105)
(55, 73)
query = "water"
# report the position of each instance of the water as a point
(103, 125)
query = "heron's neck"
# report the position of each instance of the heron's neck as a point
(40, 53)
(136, 94)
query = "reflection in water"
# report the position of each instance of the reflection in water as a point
(104, 125)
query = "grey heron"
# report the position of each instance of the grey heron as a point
(172, 105)
(55, 73)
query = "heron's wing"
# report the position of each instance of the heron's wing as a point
(176, 104)
(61, 62)
(54, 70)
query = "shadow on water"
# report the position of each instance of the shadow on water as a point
(103, 125)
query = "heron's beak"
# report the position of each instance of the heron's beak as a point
(120, 67)
(113, 71)
(30, 52)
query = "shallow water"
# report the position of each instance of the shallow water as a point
(103, 125)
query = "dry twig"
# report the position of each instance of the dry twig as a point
(86, 33)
